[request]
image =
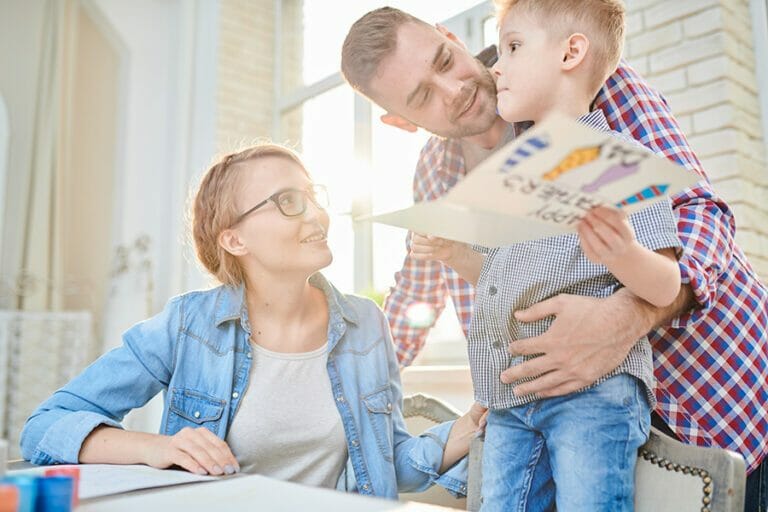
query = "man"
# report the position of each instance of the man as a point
(710, 351)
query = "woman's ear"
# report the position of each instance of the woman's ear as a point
(576, 48)
(230, 241)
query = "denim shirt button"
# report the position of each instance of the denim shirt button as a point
(235, 394)
(389, 407)
(339, 398)
(355, 442)
(197, 414)
(366, 487)
(249, 355)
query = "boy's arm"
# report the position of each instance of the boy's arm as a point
(608, 238)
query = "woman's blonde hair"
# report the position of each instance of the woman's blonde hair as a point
(214, 209)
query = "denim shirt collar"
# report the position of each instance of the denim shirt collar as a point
(230, 304)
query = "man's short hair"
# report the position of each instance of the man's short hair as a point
(370, 40)
(602, 21)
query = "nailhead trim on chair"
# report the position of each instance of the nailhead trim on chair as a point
(686, 470)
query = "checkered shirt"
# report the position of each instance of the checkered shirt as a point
(711, 364)
(520, 275)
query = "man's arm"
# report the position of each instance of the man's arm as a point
(412, 305)
(588, 338)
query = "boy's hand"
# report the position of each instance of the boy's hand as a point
(428, 248)
(606, 235)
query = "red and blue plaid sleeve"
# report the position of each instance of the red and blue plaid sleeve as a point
(705, 222)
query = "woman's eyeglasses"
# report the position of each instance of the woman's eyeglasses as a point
(292, 202)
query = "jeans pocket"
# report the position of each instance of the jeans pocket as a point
(379, 407)
(188, 408)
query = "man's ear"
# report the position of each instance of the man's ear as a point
(450, 35)
(230, 241)
(398, 122)
(576, 48)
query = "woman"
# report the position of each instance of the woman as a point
(274, 371)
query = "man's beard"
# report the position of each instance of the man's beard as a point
(485, 85)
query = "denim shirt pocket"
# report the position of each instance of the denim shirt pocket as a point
(379, 406)
(192, 409)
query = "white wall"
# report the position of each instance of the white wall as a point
(5, 135)
(168, 125)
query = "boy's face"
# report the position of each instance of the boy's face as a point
(527, 72)
(436, 84)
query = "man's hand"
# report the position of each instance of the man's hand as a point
(588, 338)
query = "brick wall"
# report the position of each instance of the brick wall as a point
(245, 96)
(698, 53)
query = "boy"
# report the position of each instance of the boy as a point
(577, 451)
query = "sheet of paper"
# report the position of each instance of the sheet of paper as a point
(106, 479)
(542, 183)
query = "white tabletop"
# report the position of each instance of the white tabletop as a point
(252, 492)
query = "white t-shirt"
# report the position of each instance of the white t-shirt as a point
(288, 426)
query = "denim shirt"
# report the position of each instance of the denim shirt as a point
(196, 352)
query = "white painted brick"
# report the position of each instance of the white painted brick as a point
(686, 124)
(722, 66)
(705, 22)
(640, 64)
(634, 24)
(698, 98)
(720, 116)
(688, 52)
(670, 82)
(652, 40)
(734, 165)
(639, 5)
(674, 9)
(718, 142)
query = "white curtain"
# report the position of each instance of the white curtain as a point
(39, 272)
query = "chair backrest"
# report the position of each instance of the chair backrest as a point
(670, 477)
(422, 412)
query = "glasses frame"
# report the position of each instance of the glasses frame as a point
(309, 194)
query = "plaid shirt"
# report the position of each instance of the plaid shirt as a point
(517, 276)
(710, 364)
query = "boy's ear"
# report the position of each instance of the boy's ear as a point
(230, 242)
(398, 122)
(450, 35)
(576, 48)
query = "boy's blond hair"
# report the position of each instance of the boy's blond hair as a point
(602, 21)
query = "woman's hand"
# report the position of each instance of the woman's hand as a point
(197, 450)
(478, 413)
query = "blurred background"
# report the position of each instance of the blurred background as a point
(110, 110)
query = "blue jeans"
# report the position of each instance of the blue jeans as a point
(577, 451)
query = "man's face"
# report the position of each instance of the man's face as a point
(436, 84)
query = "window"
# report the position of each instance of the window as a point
(366, 165)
